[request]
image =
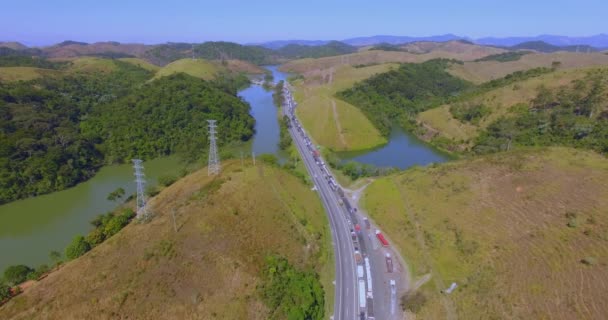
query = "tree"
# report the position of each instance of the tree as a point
(55, 257)
(114, 225)
(17, 274)
(95, 237)
(5, 292)
(116, 194)
(77, 248)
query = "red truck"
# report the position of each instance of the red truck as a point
(381, 238)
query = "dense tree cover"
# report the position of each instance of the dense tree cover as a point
(229, 50)
(166, 53)
(5, 291)
(332, 48)
(77, 248)
(42, 148)
(285, 122)
(404, 92)
(290, 293)
(166, 116)
(14, 275)
(57, 131)
(574, 116)
(28, 61)
(505, 56)
(231, 82)
(469, 112)
(356, 170)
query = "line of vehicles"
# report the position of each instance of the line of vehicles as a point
(364, 274)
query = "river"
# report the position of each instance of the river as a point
(402, 151)
(31, 228)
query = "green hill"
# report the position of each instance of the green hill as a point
(333, 48)
(229, 51)
(75, 134)
(198, 68)
(234, 240)
(519, 232)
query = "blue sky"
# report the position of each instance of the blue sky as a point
(50, 21)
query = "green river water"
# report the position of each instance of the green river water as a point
(31, 228)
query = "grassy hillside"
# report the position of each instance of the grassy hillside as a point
(141, 63)
(198, 68)
(222, 50)
(333, 48)
(210, 268)
(92, 65)
(483, 71)
(565, 107)
(457, 50)
(329, 120)
(11, 74)
(498, 101)
(523, 234)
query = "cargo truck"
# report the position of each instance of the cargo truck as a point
(362, 297)
(381, 238)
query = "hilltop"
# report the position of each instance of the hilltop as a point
(213, 266)
(521, 233)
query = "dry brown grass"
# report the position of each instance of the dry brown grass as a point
(483, 71)
(499, 227)
(466, 51)
(209, 269)
(10, 74)
(242, 66)
(449, 50)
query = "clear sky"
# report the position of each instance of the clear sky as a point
(41, 22)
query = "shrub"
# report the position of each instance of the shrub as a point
(413, 301)
(95, 237)
(167, 180)
(42, 269)
(5, 291)
(77, 248)
(589, 261)
(17, 274)
(114, 225)
(270, 159)
(291, 293)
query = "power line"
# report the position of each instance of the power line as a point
(141, 209)
(214, 159)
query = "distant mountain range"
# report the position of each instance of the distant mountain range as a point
(599, 41)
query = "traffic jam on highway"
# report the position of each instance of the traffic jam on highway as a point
(364, 274)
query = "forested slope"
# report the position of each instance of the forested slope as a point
(57, 131)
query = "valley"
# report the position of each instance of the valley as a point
(464, 180)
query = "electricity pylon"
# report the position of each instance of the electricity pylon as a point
(142, 212)
(214, 159)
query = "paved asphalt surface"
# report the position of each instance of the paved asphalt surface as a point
(346, 239)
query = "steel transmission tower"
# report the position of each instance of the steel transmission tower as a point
(214, 160)
(142, 212)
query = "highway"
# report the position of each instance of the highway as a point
(350, 249)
